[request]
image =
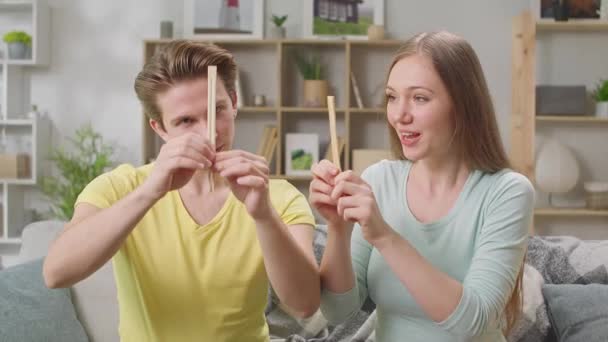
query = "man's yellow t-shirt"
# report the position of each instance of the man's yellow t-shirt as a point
(179, 281)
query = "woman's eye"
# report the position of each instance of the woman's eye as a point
(185, 121)
(419, 98)
(390, 97)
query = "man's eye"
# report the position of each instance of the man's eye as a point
(185, 121)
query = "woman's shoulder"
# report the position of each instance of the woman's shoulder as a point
(386, 167)
(506, 183)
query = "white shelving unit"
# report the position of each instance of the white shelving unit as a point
(19, 132)
(33, 17)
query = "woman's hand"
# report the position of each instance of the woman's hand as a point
(321, 187)
(356, 203)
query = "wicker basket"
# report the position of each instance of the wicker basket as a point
(596, 194)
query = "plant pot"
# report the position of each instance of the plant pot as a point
(315, 93)
(276, 32)
(601, 109)
(17, 51)
(375, 32)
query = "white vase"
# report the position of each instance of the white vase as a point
(601, 109)
(604, 10)
(557, 170)
(276, 32)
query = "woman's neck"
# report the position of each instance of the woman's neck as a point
(439, 176)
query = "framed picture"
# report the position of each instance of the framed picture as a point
(348, 19)
(301, 151)
(576, 9)
(224, 19)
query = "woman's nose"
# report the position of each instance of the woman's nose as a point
(402, 112)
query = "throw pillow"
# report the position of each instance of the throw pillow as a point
(29, 311)
(578, 313)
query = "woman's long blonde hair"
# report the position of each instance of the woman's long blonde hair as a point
(476, 130)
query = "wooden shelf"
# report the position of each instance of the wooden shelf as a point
(387, 42)
(337, 42)
(572, 25)
(293, 178)
(571, 212)
(248, 109)
(367, 110)
(571, 119)
(308, 110)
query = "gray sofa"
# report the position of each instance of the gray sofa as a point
(551, 264)
(94, 298)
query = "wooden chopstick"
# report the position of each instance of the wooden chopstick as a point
(332, 131)
(211, 86)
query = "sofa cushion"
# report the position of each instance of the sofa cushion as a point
(29, 311)
(578, 313)
(94, 298)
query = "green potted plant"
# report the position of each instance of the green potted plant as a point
(89, 158)
(19, 43)
(277, 31)
(601, 99)
(315, 87)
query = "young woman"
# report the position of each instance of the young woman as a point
(440, 233)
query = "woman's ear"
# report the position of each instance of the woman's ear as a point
(159, 128)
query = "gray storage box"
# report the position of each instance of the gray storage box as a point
(561, 100)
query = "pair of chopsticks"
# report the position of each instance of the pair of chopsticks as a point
(211, 88)
(331, 105)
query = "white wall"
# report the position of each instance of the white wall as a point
(97, 52)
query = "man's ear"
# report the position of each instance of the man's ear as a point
(234, 98)
(159, 129)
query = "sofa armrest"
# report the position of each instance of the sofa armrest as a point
(37, 238)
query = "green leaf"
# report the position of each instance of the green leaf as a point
(89, 158)
(18, 37)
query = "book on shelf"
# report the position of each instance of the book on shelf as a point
(341, 144)
(356, 90)
(268, 143)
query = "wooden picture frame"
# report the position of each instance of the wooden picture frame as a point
(224, 19)
(333, 19)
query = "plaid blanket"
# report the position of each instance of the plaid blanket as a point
(549, 260)
(556, 260)
(284, 328)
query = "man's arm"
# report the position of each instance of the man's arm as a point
(290, 264)
(94, 235)
(91, 238)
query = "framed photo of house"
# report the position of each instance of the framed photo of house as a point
(347, 19)
(575, 9)
(224, 19)
(301, 151)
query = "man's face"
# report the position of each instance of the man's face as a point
(184, 109)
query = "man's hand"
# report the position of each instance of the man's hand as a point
(247, 175)
(177, 162)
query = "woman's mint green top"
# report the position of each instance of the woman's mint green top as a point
(481, 242)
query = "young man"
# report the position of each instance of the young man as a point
(192, 264)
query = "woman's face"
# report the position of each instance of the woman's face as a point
(419, 108)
